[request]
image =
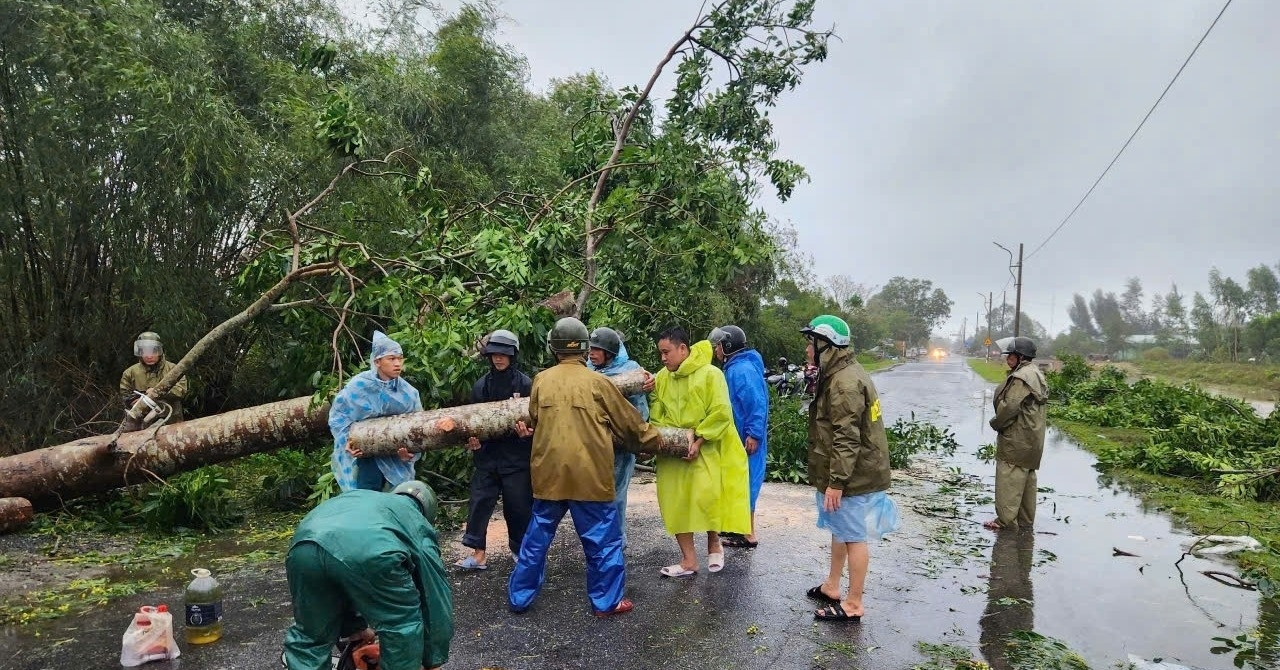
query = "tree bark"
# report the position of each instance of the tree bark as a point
(48, 477)
(451, 426)
(15, 513)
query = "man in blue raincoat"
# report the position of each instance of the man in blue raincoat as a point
(378, 391)
(608, 356)
(749, 397)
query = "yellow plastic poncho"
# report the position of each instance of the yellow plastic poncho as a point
(710, 493)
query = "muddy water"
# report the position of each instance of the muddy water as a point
(932, 581)
(1075, 588)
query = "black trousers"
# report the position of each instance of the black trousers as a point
(487, 483)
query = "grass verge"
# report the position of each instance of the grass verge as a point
(1194, 504)
(992, 371)
(1256, 382)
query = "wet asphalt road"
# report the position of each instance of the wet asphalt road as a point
(932, 581)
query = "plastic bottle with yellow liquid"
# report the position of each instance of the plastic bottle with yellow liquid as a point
(203, 608)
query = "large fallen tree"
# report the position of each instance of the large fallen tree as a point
(50, 476)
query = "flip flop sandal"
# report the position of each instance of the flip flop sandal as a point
(677, 570)
(836, 613)
(715, 562)
(470, 563)
(817, 594)
(740, 542)
(623, 606)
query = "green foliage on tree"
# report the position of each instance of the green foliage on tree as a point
(165, 163)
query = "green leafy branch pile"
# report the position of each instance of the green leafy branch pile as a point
(1219, 441)
(788, 456)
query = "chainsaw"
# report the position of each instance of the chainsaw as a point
(352, 654)
(156, 410)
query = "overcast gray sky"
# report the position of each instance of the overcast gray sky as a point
(935, 128)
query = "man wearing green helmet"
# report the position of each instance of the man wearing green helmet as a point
(848, 465)
(370, 558)
(142, 376)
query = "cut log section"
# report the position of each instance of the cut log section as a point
(451, 426)
(15, 513)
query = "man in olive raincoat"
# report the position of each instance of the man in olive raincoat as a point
(574, 416)
(708, 491)
(1019, 423)
(368, 557)
(145, 374)
(848, 465)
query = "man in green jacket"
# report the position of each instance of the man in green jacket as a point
(1019, 423)
(374, 556)
(142, 376)
(848, 464)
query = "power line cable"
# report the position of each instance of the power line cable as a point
(1135, 131)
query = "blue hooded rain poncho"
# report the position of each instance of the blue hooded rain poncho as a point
(367, 396)
(624, 462)
(744, 372)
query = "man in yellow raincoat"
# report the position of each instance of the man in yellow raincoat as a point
(708, 491)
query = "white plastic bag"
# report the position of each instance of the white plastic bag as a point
(149, 637)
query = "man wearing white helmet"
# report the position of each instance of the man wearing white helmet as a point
(142, 376)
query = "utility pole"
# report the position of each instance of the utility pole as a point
(1017, 309)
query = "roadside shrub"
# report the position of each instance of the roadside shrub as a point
(788, 458)
(200, 499)
(1219, 441)
(1156, 354)
(286, 477)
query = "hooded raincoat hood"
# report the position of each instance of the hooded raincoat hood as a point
(620, 364)
(711, 491)
(367, 396)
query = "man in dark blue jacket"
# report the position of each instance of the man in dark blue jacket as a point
(502, 465)
(749, 396)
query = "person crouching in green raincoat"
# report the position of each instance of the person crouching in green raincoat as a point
(708, 491)
(374, 556)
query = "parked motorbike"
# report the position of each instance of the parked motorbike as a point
(789, 381)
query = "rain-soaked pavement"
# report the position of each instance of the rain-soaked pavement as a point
(932, 581)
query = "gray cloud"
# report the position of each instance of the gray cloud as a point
(937, 127)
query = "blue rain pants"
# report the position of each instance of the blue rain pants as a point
(598, 529)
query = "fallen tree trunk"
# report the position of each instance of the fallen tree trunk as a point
(451, 426)
(48, 477)
(15, 513)
(51, 476)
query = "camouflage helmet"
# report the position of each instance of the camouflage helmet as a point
(421, 494)
(607, 340)
(147, 342)
(568, 336)
(1022, 346)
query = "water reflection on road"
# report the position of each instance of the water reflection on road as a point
(1065, 580)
